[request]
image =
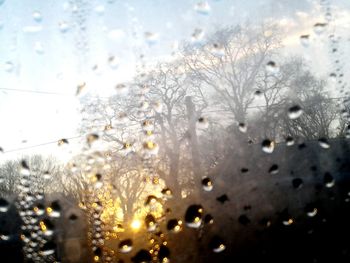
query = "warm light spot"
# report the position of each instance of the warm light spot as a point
(136, 224)
(42, 226)
(150, 145)
(126, 145)
(49, 210)
(96, 258)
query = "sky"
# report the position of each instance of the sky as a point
(43, 54)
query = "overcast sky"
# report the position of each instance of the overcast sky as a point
(40, 51)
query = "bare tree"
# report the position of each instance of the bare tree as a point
(46, 174)
(319, 109)
(230, 62)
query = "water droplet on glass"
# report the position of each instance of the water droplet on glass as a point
(268, 146)
(265, 222)
(157, 106)
(193, 216)
(62, 142)
(305, 40)
(323, 142)
(4, 235)
(63, 26)
(207, 184)
(217, 244)
(287, 221)
(295, 112)
(217, 50)
(113, 62)
(47, 227)
(100, 9)
(91, 138)
(73, 217)
(125, 246)
(37, 16)
(258, 94)
(121, 89)
(202, 7)
(289, 141)
(208, 219)
(150, 147)
(297, 183)
(202, 123)
(197, 35)
(151, 199)
(8, 66)
(151, 38)
(244, 220)
(48, 248)
(38, 48)
(80, 87)
(167, 193)
(54, 210)
(319, 28)
(144, 106)
(272, 67)
(4, 205)
(39, 209)
(142, 256)
(328, 16)
(24, 170)
(150, 223)
(328, 180)
(242, 127)
(46, 175)
(163, 254)
(174, 225)
(310, 210)
(244, 170)
(222, 199)
(273, 169)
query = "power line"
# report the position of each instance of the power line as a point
(39, 145)
(276, 104)
(48, 93)
(76, 137)
(37, 92)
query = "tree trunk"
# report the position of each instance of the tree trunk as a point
(193, 141)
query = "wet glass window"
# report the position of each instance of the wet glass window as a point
(174, 131)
